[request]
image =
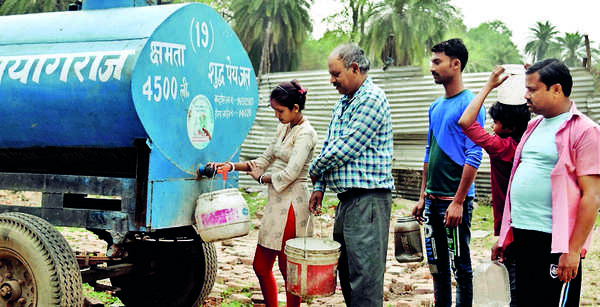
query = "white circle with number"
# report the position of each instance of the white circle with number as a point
(200, 122)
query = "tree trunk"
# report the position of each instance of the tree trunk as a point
(265, 64)
(588, 53)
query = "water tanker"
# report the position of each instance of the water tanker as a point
(109, 113)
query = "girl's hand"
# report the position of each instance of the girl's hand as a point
(254, 171)
(215, 165)
(210, 169)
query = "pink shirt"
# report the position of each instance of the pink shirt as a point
(577, 144)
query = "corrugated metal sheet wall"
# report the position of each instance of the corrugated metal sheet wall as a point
(409, 93)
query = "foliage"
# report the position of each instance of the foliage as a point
(352, 17)
(490, 44)
(314, 52)
(543, 42)
(221, 6)
(13, 7)
(572, 48)
(278, 27)
(401, 32)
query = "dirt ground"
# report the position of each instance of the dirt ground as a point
(236, 285)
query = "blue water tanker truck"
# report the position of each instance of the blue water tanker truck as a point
(109, 113)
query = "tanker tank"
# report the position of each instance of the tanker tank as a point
(80, 83)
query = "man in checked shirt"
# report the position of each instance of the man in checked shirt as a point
(356, 163)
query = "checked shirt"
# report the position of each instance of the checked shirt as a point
(358, 148)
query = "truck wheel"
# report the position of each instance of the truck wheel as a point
(37, 265)
(178, 273)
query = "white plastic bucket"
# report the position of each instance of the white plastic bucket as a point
(491, 286)
(312, 266)
(221, 215)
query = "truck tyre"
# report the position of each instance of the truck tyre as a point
(37, 265)
(177, 273)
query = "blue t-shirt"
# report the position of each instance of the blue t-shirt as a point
(531, 189)
(448, 149)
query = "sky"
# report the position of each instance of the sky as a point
(518, 15)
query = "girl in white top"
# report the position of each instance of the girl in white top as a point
(286, 212)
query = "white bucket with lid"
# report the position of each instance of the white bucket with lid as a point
(221, 215)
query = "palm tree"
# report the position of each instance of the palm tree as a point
(279, 27)
(409, 27)
(12, 7)
(542, 43)
(572, 47)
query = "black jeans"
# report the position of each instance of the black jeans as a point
(537, 283)
(511, 267)
(362, 226)
(440, 258)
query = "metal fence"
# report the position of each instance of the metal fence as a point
(410, 93)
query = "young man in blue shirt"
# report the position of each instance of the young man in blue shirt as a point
(449, 168)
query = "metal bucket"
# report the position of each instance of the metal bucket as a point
(312, 266)
(221, 215)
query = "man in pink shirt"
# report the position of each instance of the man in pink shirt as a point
(510, 115)
(553, 193)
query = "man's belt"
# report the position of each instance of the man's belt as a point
(356, 192)
(439, 197)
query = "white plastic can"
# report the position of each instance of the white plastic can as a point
(221, 215)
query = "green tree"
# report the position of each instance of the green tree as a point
(402, 31)
(572, 48)
(543, 42)
(352, 17)
(272, 31)
(490, 44)
(314, 52)
(221, 6)
(13, 7)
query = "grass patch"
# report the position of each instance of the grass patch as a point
(231, 290)
(106, 298)
(483, 218)
(256, 202)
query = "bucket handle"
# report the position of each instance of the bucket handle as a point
(310, 215)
